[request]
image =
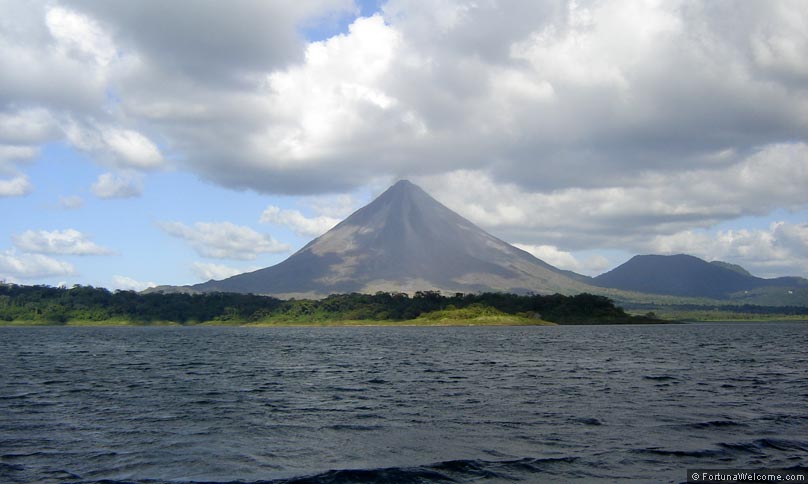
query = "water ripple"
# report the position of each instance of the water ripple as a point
(328, 405)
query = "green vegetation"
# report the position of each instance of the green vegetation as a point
(726, 313)
(86, 305)
(478, 314)
(719, 311)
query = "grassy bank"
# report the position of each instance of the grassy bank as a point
(478, 316)
(408, 322)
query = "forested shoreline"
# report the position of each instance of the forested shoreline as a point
(60, 305)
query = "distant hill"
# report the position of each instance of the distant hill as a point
(403, 241)
(688, 276)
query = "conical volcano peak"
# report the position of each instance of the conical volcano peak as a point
(402, 202)
(403, 241)
(404, 186)
(404, 183)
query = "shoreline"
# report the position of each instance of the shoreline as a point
(284, 324)
(355, 323)
(324, 324)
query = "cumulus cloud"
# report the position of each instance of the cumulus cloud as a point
(66, 242)
(60, 65)
(126, 283)
(15, 187)
(297, 222)
(125, 148)
(553, 256)
(25, 127)
(207, 271)
(79, 35)
(110, 185)
(22, 266)
(251, 37)
(42, 68)
(101, 73)
(575, 97)
(132, 147)
(224, 240)
(548, 96)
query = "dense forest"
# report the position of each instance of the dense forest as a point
(59, 305)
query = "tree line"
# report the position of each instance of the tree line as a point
(57, 305)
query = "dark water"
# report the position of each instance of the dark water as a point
(329, 405)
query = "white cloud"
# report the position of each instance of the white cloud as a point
(15, 187)
(251, 37)
(781, 50)
(544, 97)
(133, 148)
(77, 34)
(11, 154)
(61, 65)
(330, 98)
(44, 72)
(128, 284)
(224, 240)
(297, 222)
(71, 202)
(26, 126)
(23, 266)
(553, 256)
(125, 148)
(207, 271)
(109, 185)
(66, 242)
(548, 96)
(598, 45)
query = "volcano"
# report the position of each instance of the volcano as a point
(403, 241)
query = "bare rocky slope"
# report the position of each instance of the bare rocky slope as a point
(403, 241)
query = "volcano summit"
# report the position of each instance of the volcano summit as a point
(403, 241)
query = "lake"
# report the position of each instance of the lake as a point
(400, 404)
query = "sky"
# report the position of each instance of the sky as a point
(154, 142)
